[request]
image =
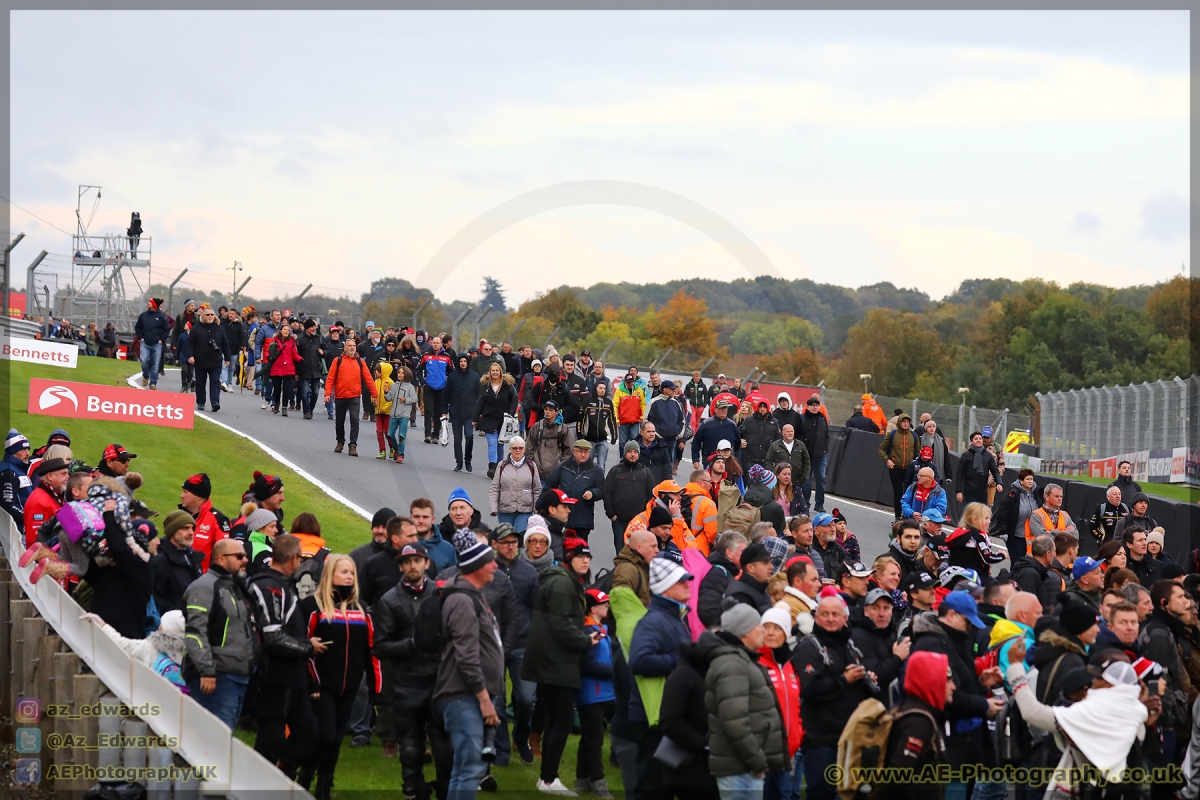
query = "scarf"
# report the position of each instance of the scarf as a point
(546, 559)
(921, 494)
(977, 460)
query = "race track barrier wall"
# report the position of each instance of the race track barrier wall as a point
(47, 617)
(855, 470)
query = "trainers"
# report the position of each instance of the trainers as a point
(526, 753)
(600, 789)
(264, 406)
(337, 448)
(153, 387)
(468, 466)
(556, 787)
(361, 741)
(489, 784)
(199, 408)
(381, 455)
(216, 407)
(330, 415)
(583, 784)
(400, 459)
(458, 467)
(284, 412)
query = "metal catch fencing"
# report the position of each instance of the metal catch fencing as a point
(1107, 421)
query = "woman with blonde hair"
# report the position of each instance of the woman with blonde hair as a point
(337, 619)
(785, 492)
(497, 398)
(969, 544)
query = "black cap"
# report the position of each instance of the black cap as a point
(919, 579)
(412, 549)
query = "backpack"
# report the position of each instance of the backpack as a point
(742, 518)
(1014, 741)
(308, 575)
(603, 581)
(428, 634)
(864, 742)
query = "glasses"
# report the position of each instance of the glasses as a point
(238, 556)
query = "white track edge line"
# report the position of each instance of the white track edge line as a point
(303, 473)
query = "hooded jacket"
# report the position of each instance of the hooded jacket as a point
(760, 431)
(814, 432)
(174, 570)
(627, 489)
(900, 446)
(1033, 576)
(557, 639)
(547, 443)
(152, 326)
(1129, 487)
(462, 393)
(395, 616)
(383, 387)
(15, 488)
(491, 406)
(631, 571)
(745, 727)
(1055, 645)
(786, 416)
(915, 741)
(876, 646)
(683, 717)
(307, 345)
(1007, 518)
(654, 648)
(873, 412)
(935, 499)
(347, 377)
(859, 422)
(668, 417)
(712, 589)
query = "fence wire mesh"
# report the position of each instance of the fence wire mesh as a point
(1107, 421)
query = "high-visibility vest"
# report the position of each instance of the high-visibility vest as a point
(1047, 522)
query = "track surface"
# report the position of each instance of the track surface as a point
(428, 469)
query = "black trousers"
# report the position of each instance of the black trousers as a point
(589, 763)
(462, 430)
(416, 721)
(896, 476)
(332, 713)
(346, 406)
(283, 390)
(433, 412)
(287, 728)
(559, 705)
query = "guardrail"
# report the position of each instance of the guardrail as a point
(19, 328)
(202, 739)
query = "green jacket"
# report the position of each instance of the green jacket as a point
(798, 459)
(900, 446)
(745, 728)
(557, 639)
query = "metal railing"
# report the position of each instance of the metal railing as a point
(1107, 421)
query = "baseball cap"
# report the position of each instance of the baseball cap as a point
(1083, 565)
(926, 453)
(668, 384)
(815, 400)
(596, 596)
(964, 604)
(933, 515)
(987, 432)
(920, 579)
(629, 376)
(722, 404)
(822, 519)
(875, 595)
(858, 569)
(724, 444)
(413, 549)
(720, 374)
(116, 451)
(563, 498)
(587, 353)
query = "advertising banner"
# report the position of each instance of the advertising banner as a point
(36, 351)
(1158, 465)
(1103, 467)
(111, 403)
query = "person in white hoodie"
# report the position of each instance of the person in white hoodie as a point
(161, 651)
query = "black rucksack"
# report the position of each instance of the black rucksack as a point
(428, 633)
(603, 581)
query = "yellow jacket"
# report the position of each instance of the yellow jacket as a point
(382, 384)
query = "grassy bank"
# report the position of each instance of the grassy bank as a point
(167, 456)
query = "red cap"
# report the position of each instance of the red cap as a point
(563, 498)
(116, 451)
(926, 452)
(596, 596)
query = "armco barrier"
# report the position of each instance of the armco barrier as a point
(203, 740)
(856, 471)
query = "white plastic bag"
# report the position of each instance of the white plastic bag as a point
(509, 428)
(444, 434)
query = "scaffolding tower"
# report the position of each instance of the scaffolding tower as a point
(112, 268)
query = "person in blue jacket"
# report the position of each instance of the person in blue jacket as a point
(461, 515)
(15, 486)
(581, 480)
(152, 327)
(434, 371)
(595, 698)
(711, 432)
(922, 496)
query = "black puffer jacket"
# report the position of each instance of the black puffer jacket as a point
(627, 490)
(683, 718)
(235, 334)
(307, 344)
(462, 394)
(174, 570)
(1031, 575)
(876, 646)
(1053, 643)
(713, 586)
(826, 699)
(967, 712)
(395, 616)
(745, 727)
(759, 431)
(749, 591)
(491, 406)
(814, 432)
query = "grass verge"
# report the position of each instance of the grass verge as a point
(1171, 491)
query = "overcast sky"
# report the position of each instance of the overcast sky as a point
(339, 147)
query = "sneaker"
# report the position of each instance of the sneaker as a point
(458, 467)
(275, 409)
(556, 788)
(583, 784)
(489, 784)
(216, 407)
(468, 466)
(600, 789)
(225, 387)
(308, 415)
(285, 411)
(361, 741)
(525, 752)
(264, 406)
(199, 408)
(153, 387)
(330, 415)
(400, 459)
(381, 455)
(820, 509)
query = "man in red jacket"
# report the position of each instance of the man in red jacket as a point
(211, 525)
(45, 501)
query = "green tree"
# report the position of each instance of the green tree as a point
(893, 347)
(493, 293)
(777, 335)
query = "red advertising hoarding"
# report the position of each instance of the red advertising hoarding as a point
(111, 403)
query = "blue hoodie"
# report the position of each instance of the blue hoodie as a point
(596, 671)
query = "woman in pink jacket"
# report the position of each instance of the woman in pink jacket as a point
(282, 356)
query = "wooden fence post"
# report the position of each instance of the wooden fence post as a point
(66, 667)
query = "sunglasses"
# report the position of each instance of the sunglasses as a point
(238, 556)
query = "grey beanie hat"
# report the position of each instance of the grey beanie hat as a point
(260, 518)
(740, 620)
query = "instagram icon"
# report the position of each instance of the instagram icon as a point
(28, 710)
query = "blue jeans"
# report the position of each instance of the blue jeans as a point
(989, 791)
(464, 723)
(495, 447)
(211, 376)
(627, 432)
(310, 390)
(600, 454)
(816, 761)
(360, 716)
(518, 520)
(740, 787)
(817, 476)
(522, 706)
(955, 790)
(226, 700)
(151, 358)
(397, 433)
(797, 775)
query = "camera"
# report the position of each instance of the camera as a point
(871, 683)
(488, 753)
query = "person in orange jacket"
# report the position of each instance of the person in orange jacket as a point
(667, 494)
(873, 412)
(701, 511)
(348, 374)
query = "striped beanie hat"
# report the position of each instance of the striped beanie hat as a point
(472, 553)
(14, 442)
